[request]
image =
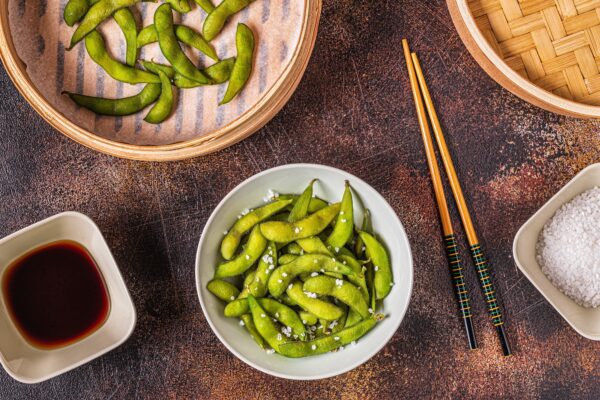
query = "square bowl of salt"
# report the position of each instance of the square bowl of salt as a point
(558, 250)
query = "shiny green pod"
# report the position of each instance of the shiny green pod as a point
(94, 43)
(244, 42)
(254, 248)
(282, 313)
(206, 5)
(74, 11)
(169, 45)
(248, 323)
(126, 21)
(181, 6)
(284, 232)
(223, 290)
(327, 343)
(306, 264)
(215, 21)
(219, 72)
(266, 265)
(344, 225)
(317, 307)
(184, 34)
(264, 325)
(232, 238)
(383, 279)
(164, 105)
(300, 209)
(339, 289)
(96, 15)
(156, 67)
(118, 107)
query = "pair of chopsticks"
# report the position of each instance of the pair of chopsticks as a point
(421, 92)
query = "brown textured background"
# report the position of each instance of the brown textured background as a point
(352, 110)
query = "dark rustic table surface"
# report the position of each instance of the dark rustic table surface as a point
(352, 110)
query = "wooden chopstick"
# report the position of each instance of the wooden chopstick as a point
(456, 272)
(479, 259)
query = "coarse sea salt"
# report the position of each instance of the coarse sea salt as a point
(568, 249)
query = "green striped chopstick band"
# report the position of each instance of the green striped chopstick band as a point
(458, 279)
(481, 265)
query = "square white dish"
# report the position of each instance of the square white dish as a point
(586, 321)
(30, 364)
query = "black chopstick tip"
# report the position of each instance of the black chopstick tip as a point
(470, 333)
(503, 340)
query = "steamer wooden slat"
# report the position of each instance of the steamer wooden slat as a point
(552, 43)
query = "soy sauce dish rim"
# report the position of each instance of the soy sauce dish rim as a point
(118, 296)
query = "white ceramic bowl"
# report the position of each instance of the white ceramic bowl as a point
(586, 321)
(293, 179)
(30, 364)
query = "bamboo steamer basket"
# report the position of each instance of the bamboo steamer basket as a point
(547, 52)
(261, 113)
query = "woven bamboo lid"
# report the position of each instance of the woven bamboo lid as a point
(553, 43)
(545, 51)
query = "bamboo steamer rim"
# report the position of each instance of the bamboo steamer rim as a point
(498, 70)
(252, 120)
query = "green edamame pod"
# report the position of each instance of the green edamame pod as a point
(246, 286)
(156, 67)
(352, 319)
(264, 325)
(254, 248)
(126, 21)
(214, 22)
(317, 307)
(282, 313)
(282, 276)
(300, 209)
(248, 323)
(287, 258)
(266, 264)
(75, 10)
(340, 323)
(307, 318)
(94, 43)
(359, 248)
(344, 291)
(185, 35)
(315, 204)
(206, 5)
(358, 278)
(284, 232)
(218, 72)
(244, 43)
(181, 6)
(96, 15)
(118, 107)
(383, 279)
(328, 343)
(285, 299)
(164, 106)
(223, 290)
(232, 238)
(163, 23)
(294, 248)
(314, 245)
(344, 225)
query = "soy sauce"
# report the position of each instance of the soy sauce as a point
(56, 294)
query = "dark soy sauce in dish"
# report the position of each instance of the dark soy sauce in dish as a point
(56, 294)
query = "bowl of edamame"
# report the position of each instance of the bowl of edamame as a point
(304, 271)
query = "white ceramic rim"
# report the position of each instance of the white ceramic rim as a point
(514, 77)
(349, 367)
(526, 273)
(100, 352)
